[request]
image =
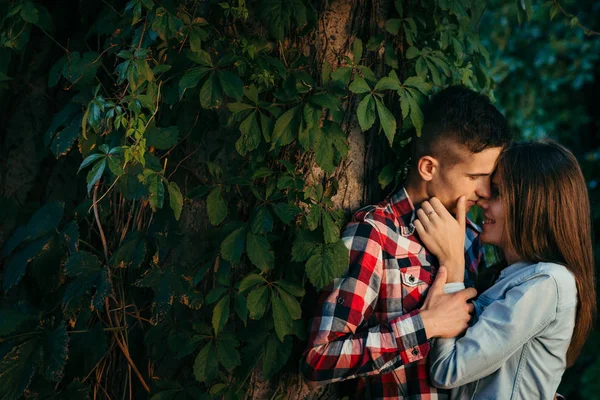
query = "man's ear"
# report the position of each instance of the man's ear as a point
(427, 167)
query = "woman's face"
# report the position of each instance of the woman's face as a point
(493, 213)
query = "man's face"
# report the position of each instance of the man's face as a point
(469, 176)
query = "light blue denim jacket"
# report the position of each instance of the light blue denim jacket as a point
(517, 346)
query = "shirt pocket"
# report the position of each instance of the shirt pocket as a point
(415, 282)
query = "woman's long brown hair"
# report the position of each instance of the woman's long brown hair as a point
(547, 219)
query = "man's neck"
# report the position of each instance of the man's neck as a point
(416, 190)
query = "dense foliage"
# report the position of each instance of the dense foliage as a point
(203, 143)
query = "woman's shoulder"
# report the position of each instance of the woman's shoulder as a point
(563, 279)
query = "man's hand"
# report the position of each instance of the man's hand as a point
(443, 235)
(446, 315)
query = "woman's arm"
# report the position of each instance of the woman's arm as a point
(501, 330)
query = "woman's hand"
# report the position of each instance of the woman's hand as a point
(444, 235)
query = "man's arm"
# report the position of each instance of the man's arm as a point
(336, 351)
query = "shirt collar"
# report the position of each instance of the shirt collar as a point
(512, 268)
(404, 210)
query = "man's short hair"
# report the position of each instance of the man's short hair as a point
(462, 116)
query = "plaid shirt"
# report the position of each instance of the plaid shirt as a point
(368, 325)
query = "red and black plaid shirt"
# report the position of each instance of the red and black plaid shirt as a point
(368, 325)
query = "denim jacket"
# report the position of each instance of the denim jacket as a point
(517, 346)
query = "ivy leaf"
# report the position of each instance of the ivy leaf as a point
(412, 52)
(386, 176)
(232, 85)
(366, 113)
(290, 304)
(283, 132)
(88, 274)
(387, 120)
(131, 253)
(206, 365)
(276, 355)
(17, 369)
(191, 78)
(257, 302)
(53, 349)
(210, 93)
(221, 314)
(286, 212)
(259, 251)
(227, 352)
(262, 222)
(304, 246)
(341, 76)
(357, 50)
(175, 199)
(250, 281)
(162, 138)
(390, 82)
(251, 135)
(240, 307)
(233, 245)
(157, 191)
(330, 229)
(63, 140)
(359, 86)
(43, 221)
(393, 25)
(216, 207)
(11, 319)
(327, 263)
(281, 318)
(15, 269)
(95, 174)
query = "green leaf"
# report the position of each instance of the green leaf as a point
(390, 82)
(210, 93)
(240, 307)
(357, 50)
(281, 318)
(387, 121)
(162, 138)
(233, 245)
(290, 304)
(366, 113)
(257, 301)
(386, 176)
(251, 135)
(313, 217)
(89, 274)
(191, 78)
(283, 132)
(206, 365)
(227, 352)
(15, 269)
(393, 25)
(157, 191)
(11, 319)
(286, 212)
(328, 101)
(54, 348)
(262, 221)
(216, 207)
(304, 246)
(419, 83)
(201, 57)
(63, 140)
(341, 76)
(276, 355)
(16, 370)
(330, 229)
(412, 52)
(175, 199)
(221, 314)
(359, 85)
(30, 13)
(250, 281)
(131, 253)
(215, 294)
(290, 288)
(327, 263)
(259, 251)
(95, 174)
(232, 85)
(43, 221)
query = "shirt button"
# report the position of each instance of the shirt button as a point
(340, 300)
(415, 352)
(411, 278)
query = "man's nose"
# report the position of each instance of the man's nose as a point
(483, 203)
(484, 190)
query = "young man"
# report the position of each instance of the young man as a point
(374, 323)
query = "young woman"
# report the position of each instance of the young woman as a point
(532, 323)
